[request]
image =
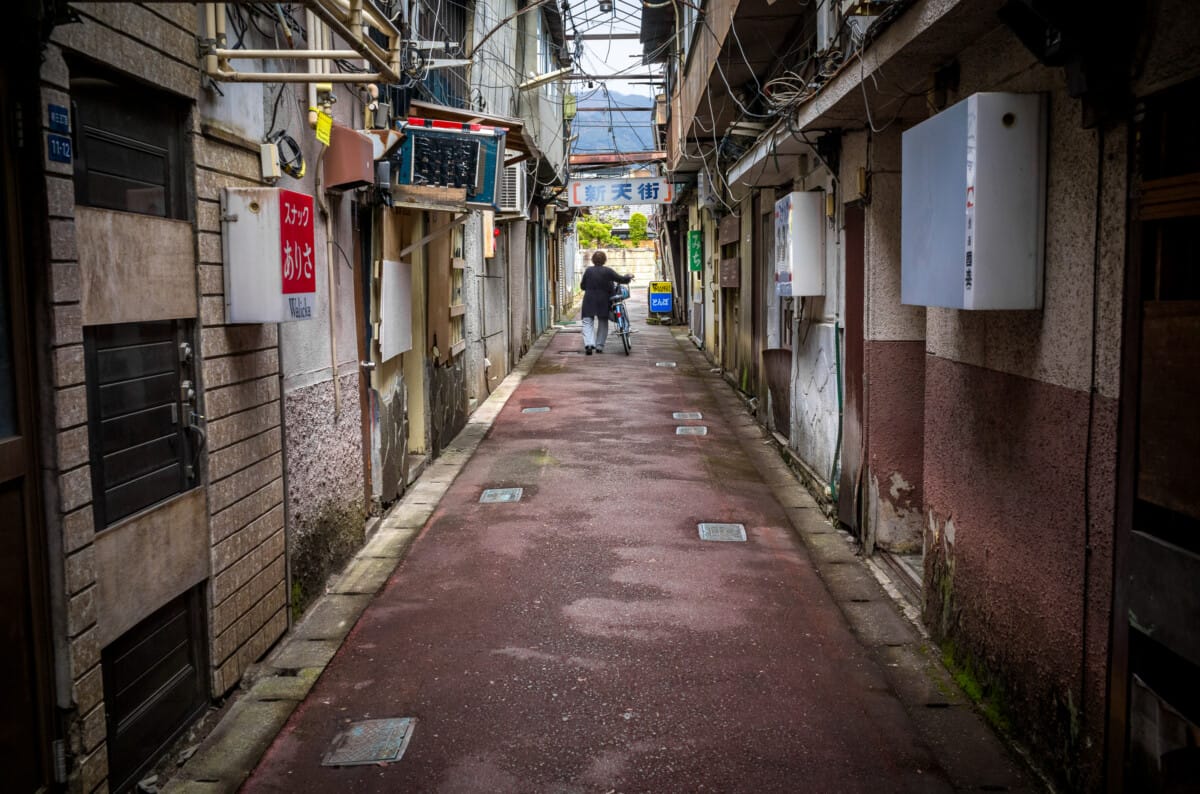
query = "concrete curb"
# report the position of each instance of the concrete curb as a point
(957, 736)
(273, 688)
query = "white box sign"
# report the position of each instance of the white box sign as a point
(269, 246)
(800, 244)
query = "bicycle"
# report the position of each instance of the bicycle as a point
(618, 313)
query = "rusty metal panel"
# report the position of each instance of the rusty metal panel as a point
(1169, 422)
(729, 230)
(731, 273)
(778, 362)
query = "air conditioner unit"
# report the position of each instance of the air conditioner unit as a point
(512, 191)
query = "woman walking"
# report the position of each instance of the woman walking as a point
(597, 285)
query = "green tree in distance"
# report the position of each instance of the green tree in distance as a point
(637, 228)
(595, 233)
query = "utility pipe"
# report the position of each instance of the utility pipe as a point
(211, 63)
(299, 77)
(290, 54)
(323, 202)
(221, 38)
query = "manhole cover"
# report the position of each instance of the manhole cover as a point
(370, 742)
(665, 364)
(691, 430)
(687, 415)
(723, 532)
(539, 410)
(502, 495)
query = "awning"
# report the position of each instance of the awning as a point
(517, 140)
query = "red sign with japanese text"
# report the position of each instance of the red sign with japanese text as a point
(297, 242)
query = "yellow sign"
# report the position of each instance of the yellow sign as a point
(324, 126)
(660, 297)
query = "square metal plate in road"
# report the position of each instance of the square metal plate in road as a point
(539, 410)
(687, 415)
(691, 430)
(723, 532)
(493, 495)
(665, 364)
(370, 742)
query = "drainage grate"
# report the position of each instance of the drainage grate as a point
(370, 742)
(665, 364)
(492, 495)
(540, 410)
(691, 430)
(687, 415)
(722, 532)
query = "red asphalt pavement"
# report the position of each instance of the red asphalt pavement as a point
(585, 639)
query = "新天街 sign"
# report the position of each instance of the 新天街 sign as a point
(596, 192)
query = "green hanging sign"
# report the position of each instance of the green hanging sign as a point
(696, 251)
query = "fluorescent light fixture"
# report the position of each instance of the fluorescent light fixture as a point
(548, 77)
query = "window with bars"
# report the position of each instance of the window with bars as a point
(128, 146)
(139, 386)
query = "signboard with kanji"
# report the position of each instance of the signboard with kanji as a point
(660, 297)
(696, 251)
(296, 243)
(607, 192)
(270, 252)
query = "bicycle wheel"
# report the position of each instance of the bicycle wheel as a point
(625, 340)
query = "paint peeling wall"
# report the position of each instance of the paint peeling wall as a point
(1007, 453)
(324, 483)
(893, 350)
(814, 426)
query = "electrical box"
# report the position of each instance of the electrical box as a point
(453, 155)
(349, 159)
(270, 253)
(974, 205)
(800, 244)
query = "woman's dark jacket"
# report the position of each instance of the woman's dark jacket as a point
(597, 285)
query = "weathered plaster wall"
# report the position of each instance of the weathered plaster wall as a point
(815, 396)
(894, 418)
(1053, 345)
(894, 352)
(324, 482)
(1009, 580)
(1005, 458)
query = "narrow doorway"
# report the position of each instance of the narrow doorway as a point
(1154, 731)
(25, 688)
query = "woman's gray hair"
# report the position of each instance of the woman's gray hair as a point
(599, 258)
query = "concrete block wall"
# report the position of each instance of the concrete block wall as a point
(240, 377)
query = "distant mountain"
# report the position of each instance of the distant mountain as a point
(622, 124)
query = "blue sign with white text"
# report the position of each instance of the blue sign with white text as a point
(660, 297)
(59, 118)
(58, 147)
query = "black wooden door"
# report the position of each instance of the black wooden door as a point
(1154, 705)
(25, 727)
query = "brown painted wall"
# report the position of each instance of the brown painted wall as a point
(892, 490)
(1005, 461)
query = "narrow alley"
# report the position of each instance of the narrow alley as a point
(585, 637)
